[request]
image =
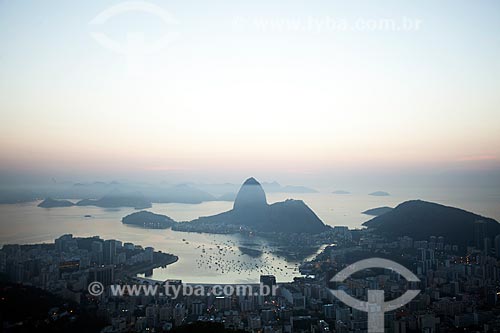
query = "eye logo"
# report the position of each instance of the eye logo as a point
(135, 41)
(376, 305)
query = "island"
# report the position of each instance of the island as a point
(53, 203)
(341, 192)
(377, 211)
(379, 194)
(148, 220)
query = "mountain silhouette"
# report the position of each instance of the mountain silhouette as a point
(251, 209)
(118, 199)
(377, 211)
(421, 219)
(52, 203)
(250, 196)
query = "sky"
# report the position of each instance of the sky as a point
(221, 89)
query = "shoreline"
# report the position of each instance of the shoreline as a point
(160, 260)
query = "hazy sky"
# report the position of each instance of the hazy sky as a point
(238, 87)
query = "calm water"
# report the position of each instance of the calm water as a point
(200, 260)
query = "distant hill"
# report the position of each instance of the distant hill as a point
(181, 193)
(377, 211)
(13, 196)
(158, 193)
(420, 220)
(52, 203)
(162, 192)
(251, 210)
(116, 200)
(227, 197)
(278, 188)
(297, 189)
(221, 191)
(341, 192)
(148, 220)
(379, 194)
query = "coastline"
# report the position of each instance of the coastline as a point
(160, 260)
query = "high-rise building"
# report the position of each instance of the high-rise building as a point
(149, 253)
(487, 246)
(171, 286)
(166, 312)
(109, 251)
(329, 311)
(103, 274)
(97, 252)
(497, 246)
(152, 315)
(479, 234)
(432, 242)
(267, 315)
(440, 243)
(179, 314)
(302, 324)
(61, 243)
(222, 303)
(198, 308)
(268, 280)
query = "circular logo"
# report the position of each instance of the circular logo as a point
(376, 305)
(96, 288)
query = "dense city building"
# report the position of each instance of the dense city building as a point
(459, 290)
